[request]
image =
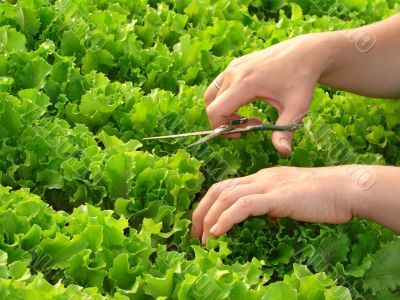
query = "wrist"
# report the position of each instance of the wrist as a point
(330, 52)
(323, 52)
(347, 185)
(335, 186)
(360, 181)
(375, 193)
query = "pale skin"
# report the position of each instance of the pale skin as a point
(364, 61)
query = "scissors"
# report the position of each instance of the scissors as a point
(227, 129)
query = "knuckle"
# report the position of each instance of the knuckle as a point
(196, 216)
(267, 174)
(244, 203)
(282, 173)
(264, 172)
(230, 73)
(229, 184)
(208, 96)
(224, 217)
(214, 188)
(225, 196)
(208, 222)
(232, 183)
(234, 63)
(245, 78)
(210, 110)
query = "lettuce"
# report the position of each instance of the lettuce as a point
(89, 210)
(92, 248)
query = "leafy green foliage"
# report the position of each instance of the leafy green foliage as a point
(385, 271)
(90, 248)
(107, 216)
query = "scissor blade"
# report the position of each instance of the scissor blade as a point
(180, 135)
(201, 141)
(214, 133)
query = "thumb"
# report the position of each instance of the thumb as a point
(282, 140)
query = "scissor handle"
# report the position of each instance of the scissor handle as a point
(276, 127)
(272, 127)
(236, 122)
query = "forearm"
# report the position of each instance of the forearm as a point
(365, 60)
(375, 194)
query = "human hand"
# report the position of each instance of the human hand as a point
(318, 195)
(284, 75)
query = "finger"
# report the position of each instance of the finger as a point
(251, 205)
(226, 104)
(212, 90)
(275, 104)
(227, 198)
(205, 203)
(282, 140)
(251, 122)
(235, 116)
(209, 199)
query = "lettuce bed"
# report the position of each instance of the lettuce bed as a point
(89, 211)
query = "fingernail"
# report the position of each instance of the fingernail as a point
(214, 229)
(285, 144)
(204, 239)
